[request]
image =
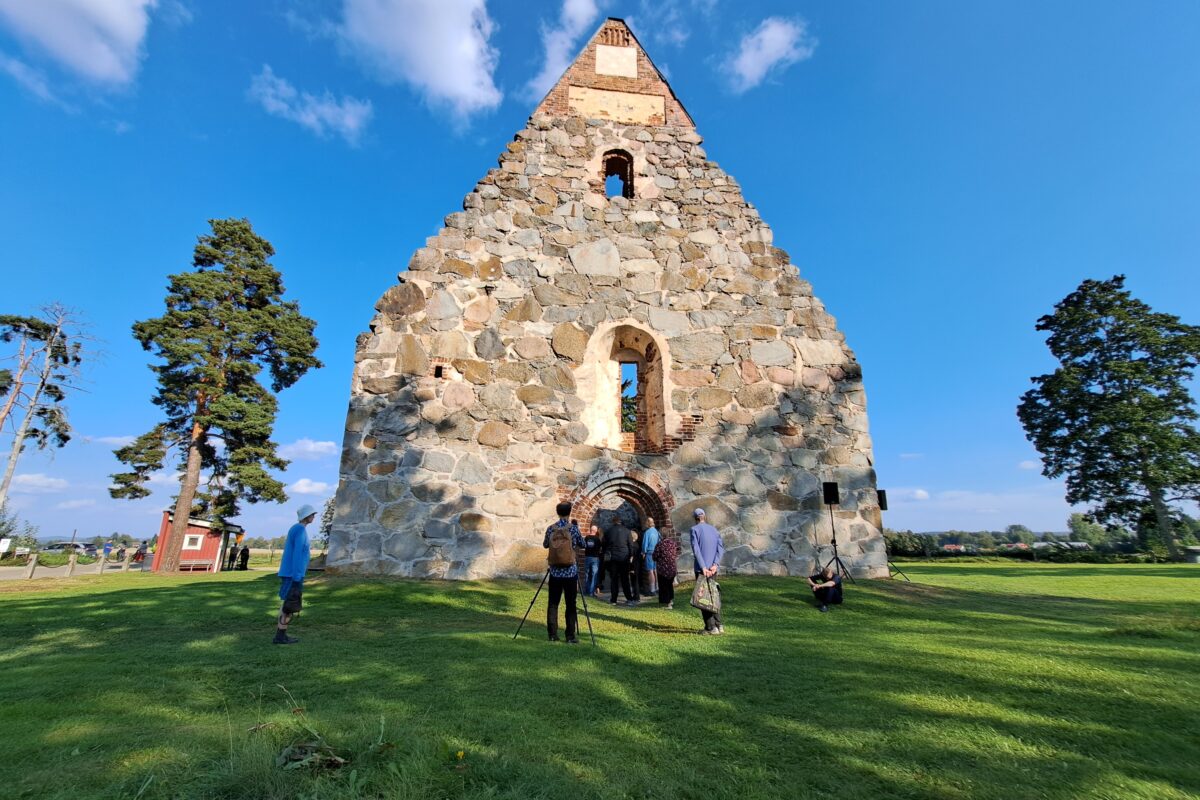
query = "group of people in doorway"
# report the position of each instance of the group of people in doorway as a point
(630, 562)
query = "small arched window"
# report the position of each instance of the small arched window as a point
(618, 174)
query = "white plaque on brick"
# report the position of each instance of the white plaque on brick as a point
(621, 61)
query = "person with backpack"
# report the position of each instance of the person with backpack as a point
(562, 540)
(617, 552)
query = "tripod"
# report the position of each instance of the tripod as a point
(539, 591)
(892, 567)
(836, 558)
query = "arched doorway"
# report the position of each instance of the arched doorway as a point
(628, 496)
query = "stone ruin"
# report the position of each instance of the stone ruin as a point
(489, 386)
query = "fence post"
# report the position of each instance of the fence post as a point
(125, 563)
(71, 559)
(31, 566)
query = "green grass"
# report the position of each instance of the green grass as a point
(976, 681)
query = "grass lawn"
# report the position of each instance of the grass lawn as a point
(975, 681)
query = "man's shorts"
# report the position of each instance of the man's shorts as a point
(291, 592)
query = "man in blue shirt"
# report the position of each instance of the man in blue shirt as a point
(649, 542)
(562, 540)
(292, 567)
(707, 548)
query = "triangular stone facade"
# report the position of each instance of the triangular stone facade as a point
(488, 387)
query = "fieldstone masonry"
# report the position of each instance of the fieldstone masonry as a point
(488, 387)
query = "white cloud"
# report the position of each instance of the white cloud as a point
(902, 494)
(115, 441)
(30, 79)
(165, 479)
(68, 505)
(775, 45)
(323, 115)
(307, 450)
(37, 483)
(1029, 464)
(559, 42)
(668, 22)
(440, 48)
(100, 40)
(306, 486)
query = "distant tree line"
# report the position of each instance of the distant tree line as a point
(1019, 538)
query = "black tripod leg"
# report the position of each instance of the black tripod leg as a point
(586, 615)
(531, 602)
(897, 569)
(841, 565)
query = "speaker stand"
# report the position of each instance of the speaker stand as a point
(836, 558)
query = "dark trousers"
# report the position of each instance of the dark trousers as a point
(559, 587)
(828, 595)
(666, 590)
(635, 568)
(618, 573)
(712, 619)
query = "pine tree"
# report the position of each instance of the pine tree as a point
(46, 365)
(225, 322)
(1116, 417)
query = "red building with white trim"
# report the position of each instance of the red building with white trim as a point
(204, 544)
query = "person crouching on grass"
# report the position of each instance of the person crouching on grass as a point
(827, 588)
(562, 540)
(293, 564)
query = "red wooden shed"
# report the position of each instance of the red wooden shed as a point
(204, 543)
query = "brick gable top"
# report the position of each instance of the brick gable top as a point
(613, 78)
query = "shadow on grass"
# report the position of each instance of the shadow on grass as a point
(906, 691)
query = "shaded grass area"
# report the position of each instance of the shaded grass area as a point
(975, 681)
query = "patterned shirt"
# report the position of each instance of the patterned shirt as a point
(572, 569)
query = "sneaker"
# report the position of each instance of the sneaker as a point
(283, 638)
(670, 606)
(706, 632)
(572, 640)
(719, 630)
(554, 638)
(823, 609)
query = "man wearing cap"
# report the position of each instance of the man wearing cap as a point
(707, 548)
(292, 567)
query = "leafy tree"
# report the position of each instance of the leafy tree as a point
(1019, 534)
(1116, 417)
(23, 534)
(225, 322)
(46, 366)
(1084, 530)
(628, 409)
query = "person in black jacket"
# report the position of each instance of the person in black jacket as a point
(618, 550)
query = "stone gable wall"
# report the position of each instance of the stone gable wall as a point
(471, 393)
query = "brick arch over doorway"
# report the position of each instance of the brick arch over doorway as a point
(645, 490)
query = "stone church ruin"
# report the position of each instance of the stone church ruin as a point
(489, 386)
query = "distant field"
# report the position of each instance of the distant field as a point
(975, 681)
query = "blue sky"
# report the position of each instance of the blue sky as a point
(942, 173)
